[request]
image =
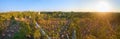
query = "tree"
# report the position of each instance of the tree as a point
(23, 32)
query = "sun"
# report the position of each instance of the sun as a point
(102, 6)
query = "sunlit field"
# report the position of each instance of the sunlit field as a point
(59, 25)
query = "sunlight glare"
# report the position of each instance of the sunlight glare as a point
(103, 6)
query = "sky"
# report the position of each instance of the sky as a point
(56, 5)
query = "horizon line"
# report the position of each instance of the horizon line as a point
(61, 11)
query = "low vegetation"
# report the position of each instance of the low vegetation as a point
(59, 25)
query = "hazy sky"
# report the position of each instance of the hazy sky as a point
(55, 5)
